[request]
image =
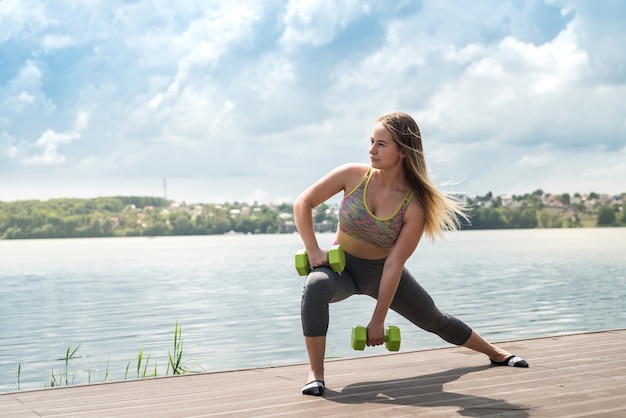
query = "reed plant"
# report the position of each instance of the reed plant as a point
(106, 371)
(69, 354)
(143, 368)
(142, 374)
(56, 380)
(176, 359)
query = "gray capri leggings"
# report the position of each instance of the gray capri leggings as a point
(323, 286)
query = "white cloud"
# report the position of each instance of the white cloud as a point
(53, 42)
(509, 91)
(25, 97)
(535, 161)
(28, 79)
(259, 195)
(17, 16)
(258, 99)
(600, 26)
(8, 150)
(191, 106)
(51, 140)
(210, 37)
(316, 22)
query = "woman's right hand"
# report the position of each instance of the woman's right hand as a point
(317, 258)
(375, 333)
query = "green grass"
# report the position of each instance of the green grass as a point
(56, 380)
(143, 369)
(176, 359)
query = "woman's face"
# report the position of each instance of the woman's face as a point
(384, 151)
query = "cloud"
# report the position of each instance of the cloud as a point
(23, 90)
(53, 42)
(514, 82)
(20, 18)
(8, 150)
(535, 161)
(598, 26)
(51, 140)
(311, 22)
(255, 99)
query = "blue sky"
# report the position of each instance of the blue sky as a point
(253, 101)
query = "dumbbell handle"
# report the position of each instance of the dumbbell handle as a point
(386, 332)
(336, 260)
(392, 338)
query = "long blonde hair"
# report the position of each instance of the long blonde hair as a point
(442, 211)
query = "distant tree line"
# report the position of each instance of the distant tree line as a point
(154, 216)
(531, 211)
(130, 216)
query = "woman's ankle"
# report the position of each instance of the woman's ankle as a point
(316, 375)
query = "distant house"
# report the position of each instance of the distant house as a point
(287, 227)
(324, 226)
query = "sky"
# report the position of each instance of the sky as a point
(253, 101)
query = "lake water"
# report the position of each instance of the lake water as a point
(237, 298)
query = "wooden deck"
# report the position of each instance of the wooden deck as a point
(579, 375)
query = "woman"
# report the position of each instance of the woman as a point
(387, 207)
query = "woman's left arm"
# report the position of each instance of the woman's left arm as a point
(412, 230)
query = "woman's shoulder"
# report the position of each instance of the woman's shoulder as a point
(353, 169)
(349, 175)
(415, 209)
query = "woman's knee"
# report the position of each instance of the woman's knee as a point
(435, 322)
(450, 329)
(314, 306)
(318, 284)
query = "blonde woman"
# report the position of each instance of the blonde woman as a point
(387, 207)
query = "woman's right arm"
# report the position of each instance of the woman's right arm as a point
(322, 190)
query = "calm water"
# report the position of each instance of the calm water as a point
(237, 298)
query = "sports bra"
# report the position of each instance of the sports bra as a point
(356, 220)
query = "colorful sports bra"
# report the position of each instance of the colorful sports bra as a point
(356, 220)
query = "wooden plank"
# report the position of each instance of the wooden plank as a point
(570, 376)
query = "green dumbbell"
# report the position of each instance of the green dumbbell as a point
(392, 338)
(336, 260)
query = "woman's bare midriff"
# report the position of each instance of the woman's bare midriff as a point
(359, 248)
